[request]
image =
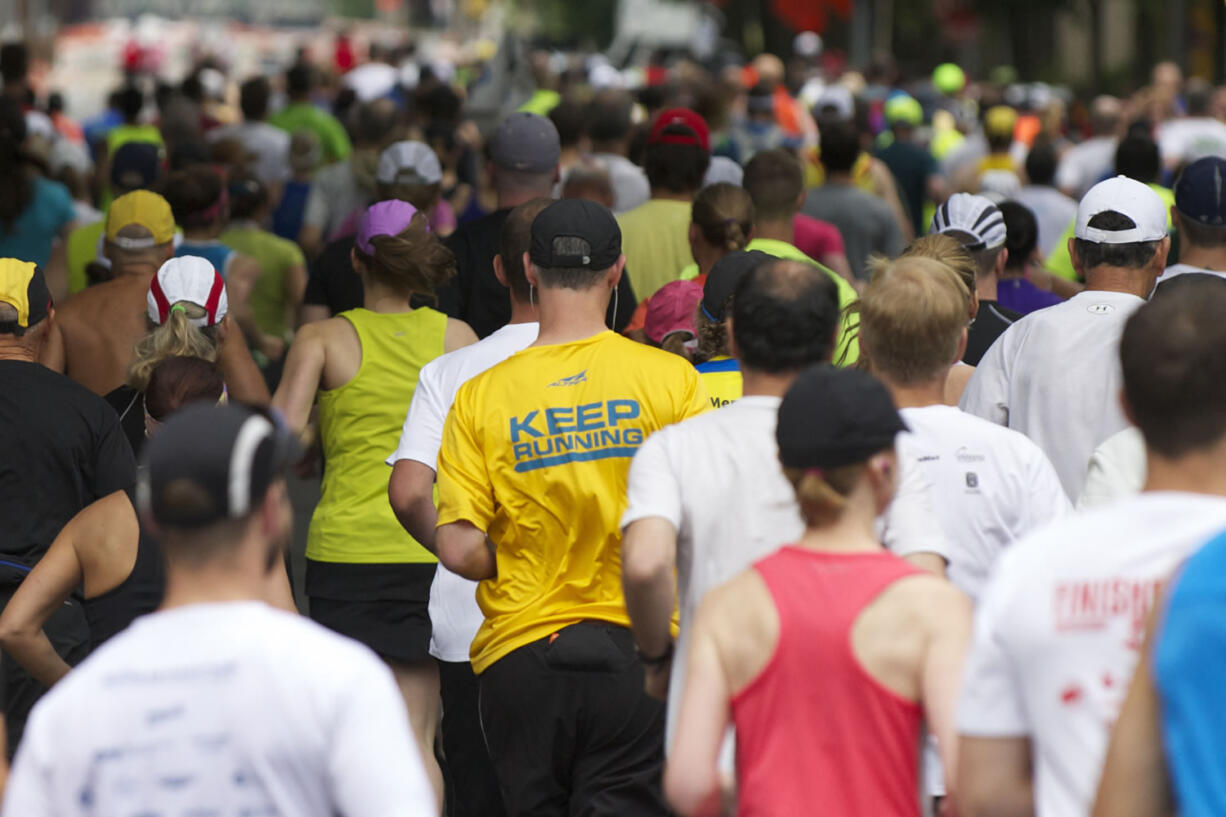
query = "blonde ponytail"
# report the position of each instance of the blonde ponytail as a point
(177, 337)
(822, 493)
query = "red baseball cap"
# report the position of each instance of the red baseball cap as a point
(670, 125)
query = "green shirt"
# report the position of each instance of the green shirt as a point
(848, 350)
(656, 242)
(1061, 263)
(82, 248)
(276, 256)
(298, 116)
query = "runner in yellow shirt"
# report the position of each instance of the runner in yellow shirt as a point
(532, 484)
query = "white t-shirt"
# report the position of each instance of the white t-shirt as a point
(1192, 138)
(454, 614)
(1182, 269)
(269, 144)
(1059, 627)
(372, 80)
(1085, 164)
(1117, 469)
(990, 486)
(716, 478)
(1053, 211)
(1055, 376)
(224, 708)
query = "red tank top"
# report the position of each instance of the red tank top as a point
(816, 734)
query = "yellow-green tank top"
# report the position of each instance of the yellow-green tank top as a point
(359, 426)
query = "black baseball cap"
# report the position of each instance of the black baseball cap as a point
(724, 276)
(136, 165)
(600, 239)
(1199, 193)
(222, 458)
(832, 417)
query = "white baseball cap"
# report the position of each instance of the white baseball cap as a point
(974, 215)
(192, 279)
(1128, 197)
(408, 162)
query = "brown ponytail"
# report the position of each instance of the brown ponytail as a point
(411, 262)
(822, 494)
(724, 214)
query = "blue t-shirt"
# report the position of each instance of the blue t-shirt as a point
(49, 211)
(287, 218)
(1189, 665)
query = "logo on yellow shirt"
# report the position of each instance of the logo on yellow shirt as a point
(573, 380)
(565, 434)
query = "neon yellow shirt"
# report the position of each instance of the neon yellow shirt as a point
(1059, 262)
(276, 256)
(359, 423)
(81, 249)
(536, 453)
(847, 352)
(656, 242)
(721, 375)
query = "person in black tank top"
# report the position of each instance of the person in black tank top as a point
(102, 555)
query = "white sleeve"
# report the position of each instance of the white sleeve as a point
(911, 525)
(28, 792)
(653, 488)
(422, 434)
(990, 704)
(1068, 175)
(987, 392)
(1117, 469)
(374, 766)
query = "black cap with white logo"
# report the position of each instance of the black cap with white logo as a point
(575, 234)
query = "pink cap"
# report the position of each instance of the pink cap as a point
(672, 309)
(385, 218)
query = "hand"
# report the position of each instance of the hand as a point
(655, 679)
(273, 347)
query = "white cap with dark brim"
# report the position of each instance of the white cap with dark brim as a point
(1130, 198)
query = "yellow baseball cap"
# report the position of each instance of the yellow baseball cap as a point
(147, 209)
(23, 287)
(1000, 119)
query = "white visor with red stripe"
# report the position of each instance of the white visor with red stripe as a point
(190, 279)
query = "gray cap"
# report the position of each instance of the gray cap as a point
(408, 162)
(527, 142)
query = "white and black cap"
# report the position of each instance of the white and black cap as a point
(1129, 198)
(976, 217)
(208, 463)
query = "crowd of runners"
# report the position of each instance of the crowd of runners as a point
(765, 438)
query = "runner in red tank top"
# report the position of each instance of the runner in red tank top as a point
(828, 656)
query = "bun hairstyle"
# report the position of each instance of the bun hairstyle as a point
(178, 381)
(177, 337)
(822, 493)
(724, 214)
(197, 196)
(411, 262)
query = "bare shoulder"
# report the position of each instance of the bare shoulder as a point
(741, 618)
(458, 334)
(932, 599)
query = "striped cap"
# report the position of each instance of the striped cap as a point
(189, 279)
(975, 216)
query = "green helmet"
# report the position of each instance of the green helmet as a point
(948, 78)
(903, 108)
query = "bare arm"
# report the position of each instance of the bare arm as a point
(947, 614)
(649, 563)
(300, 380)
(243, 379)
(692, 783)
(994, 779)
(465, 550)
(295, 287)
(1135, 781)
(410, 490)
(240, 281)
(311, 239)
(51, 582)
(932, 563)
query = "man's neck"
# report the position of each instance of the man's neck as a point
(775, 230)
(569, 315)
(1198, 473)
(136, 271)
(985, 287)
(209, 585)
(1119, 279)
(1210, 258)
(513, 198)
(756, 383)
(918, 395)
(838, 177)
(523, 312)
(13, 349)
(672, 195)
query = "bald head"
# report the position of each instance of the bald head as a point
(1105, 113)
(785, 317)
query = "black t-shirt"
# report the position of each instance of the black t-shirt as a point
(62, 449)
(473, 295)
(991, 321)
(129, 405)
(332, 281)
(911, 166)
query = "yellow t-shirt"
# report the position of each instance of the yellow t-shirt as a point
(721, 375)
(656, 241)
(359, 423)
(536, 453)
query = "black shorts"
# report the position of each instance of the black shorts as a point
(384, 606)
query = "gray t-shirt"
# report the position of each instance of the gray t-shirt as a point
(630, 187)
(865, 221)
(335, 195)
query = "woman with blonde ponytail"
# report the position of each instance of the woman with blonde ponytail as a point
(367, 578)
(188, 313)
